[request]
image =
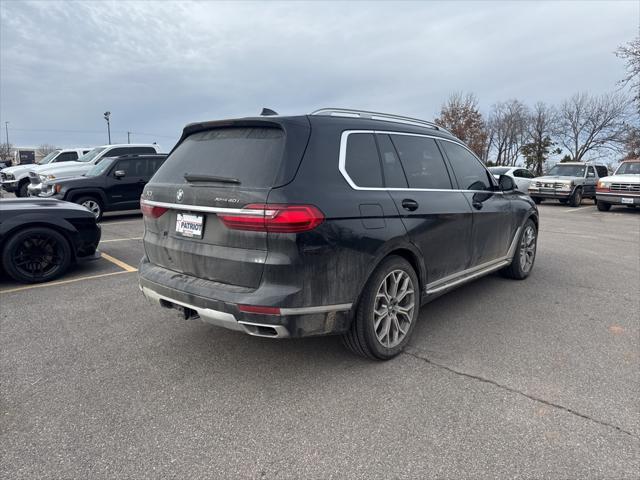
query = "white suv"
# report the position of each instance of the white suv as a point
(43, 173)
(16, 179)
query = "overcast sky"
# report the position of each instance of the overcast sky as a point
(158, 66)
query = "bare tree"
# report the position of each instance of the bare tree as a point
(631, 53)
(508, 126)
(46, 148)
(591, 125)
(460, 115)
(541, 127)
(6, 152)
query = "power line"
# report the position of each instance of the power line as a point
(60, 130)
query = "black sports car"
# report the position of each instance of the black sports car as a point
(41, 238)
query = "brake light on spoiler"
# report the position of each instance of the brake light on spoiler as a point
(279, 218)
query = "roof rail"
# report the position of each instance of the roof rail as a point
(345, 112)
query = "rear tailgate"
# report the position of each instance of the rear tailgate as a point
(228, 167)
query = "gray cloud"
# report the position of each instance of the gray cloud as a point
(159, 65)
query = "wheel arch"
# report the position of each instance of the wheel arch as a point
(64, 230)
(75, 194)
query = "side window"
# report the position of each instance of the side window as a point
(602, 171)
(362, 162)
(422, 162)
(393, 173)
(518, 173)
(471, 175)
(84, 152)
(67, 157)
(153, 164)
(591, 172)
(528, 174)
(116, 152)
(141, 150)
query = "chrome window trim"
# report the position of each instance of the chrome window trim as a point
(342, 160)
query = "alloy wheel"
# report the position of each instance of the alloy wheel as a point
(38, 256)
(528, 248)
(92, 206)
(393, 308)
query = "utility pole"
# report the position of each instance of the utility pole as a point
(6, 129)
(107, 115)
(128, 137)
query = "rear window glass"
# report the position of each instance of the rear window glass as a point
(250, 155)
(362, 162)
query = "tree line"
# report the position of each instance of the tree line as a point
(582, 127)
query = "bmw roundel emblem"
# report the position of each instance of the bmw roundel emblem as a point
(179, 195)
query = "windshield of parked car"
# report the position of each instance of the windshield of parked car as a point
(628, 168)
(100, 167)
(498, 170)
(48, 158)
(87, 157)
(567, 170)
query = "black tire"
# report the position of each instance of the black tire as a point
(537, 200)
(576, 198)
(603, 206)
(22, 190)
(517, 270)
(362, 338)
(93, 204)
(51, 249)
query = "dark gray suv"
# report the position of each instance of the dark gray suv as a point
(338, 222)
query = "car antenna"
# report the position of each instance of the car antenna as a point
(266, 112)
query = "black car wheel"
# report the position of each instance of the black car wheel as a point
(525, 255)
(92, 204)
(36, 254)
(387, 311)
(603, 206)
(576, 198)
(23, 189)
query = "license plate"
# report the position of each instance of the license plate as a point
(627, 200)
(189, 225)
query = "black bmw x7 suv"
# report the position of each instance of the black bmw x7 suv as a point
(338, 222)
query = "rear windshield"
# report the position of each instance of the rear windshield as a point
(250, 155)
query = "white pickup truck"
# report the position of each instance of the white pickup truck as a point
(621, 188)
(16, 179)
(42, 173)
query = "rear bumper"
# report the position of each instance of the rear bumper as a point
(217, 304)
(617, 198)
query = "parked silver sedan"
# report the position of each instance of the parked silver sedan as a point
(520, 175)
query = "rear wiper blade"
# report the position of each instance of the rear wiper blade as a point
(196, 177)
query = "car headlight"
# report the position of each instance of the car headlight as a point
(567, 186)
(51, 177)
(602, 184)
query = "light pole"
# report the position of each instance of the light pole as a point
(107, 115)
(6, 129)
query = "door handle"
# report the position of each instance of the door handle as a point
(409, 204)
(477, 205)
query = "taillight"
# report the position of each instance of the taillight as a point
(151, 210)
(280, 218)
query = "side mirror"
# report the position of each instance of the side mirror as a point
(119, 173)
(506, 183)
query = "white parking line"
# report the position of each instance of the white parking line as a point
(120, 239)
(579, 208)
(64, 282)
(104, 224)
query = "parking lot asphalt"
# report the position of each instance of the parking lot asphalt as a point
(511, 379)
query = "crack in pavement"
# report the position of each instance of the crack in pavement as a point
(527, 395)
